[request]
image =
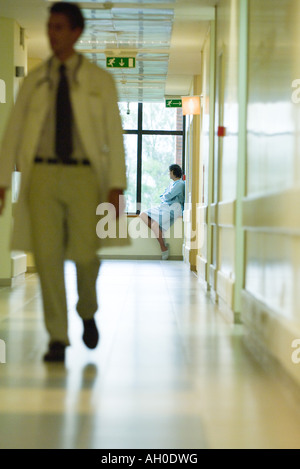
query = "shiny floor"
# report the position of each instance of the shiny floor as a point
(169, 372)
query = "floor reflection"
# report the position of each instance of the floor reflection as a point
(169, 372)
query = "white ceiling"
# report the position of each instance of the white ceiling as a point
(165, 36)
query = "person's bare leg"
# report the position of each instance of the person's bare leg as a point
(146, 219)
(159, 235)
(154, 226)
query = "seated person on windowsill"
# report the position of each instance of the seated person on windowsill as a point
(159, 219)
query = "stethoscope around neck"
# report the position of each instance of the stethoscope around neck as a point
(47, 78)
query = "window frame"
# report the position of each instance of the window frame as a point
(140, 132)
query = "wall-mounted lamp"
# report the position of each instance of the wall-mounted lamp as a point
(191, 105)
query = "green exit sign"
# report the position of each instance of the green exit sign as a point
(120, 62)
(173, 102)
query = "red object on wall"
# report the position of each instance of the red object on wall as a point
(183, 177)
(221, 131)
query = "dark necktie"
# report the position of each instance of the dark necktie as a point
(63, 143)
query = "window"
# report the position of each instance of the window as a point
(153, 139)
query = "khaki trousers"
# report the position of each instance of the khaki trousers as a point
(62, 204)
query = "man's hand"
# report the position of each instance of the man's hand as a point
(116, 198)
(2, 199)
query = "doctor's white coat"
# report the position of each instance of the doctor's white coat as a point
(96, 113)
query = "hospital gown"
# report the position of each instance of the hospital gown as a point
(171, 207)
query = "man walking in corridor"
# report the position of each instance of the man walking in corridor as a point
(69, 149)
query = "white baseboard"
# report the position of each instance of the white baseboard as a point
(18, 263)
(270, 335)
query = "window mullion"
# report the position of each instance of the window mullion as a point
(139, 158)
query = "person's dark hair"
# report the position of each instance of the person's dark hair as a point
(71, 11)
(177, 171)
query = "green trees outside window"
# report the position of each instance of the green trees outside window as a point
(153, 139)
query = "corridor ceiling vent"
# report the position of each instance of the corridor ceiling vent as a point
(141, 30)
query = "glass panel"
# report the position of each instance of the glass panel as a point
(159, 152)
(130, 143)
(129, 115)
(157, 117)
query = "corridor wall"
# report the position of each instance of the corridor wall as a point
(204, 225)
(271, 296)
(193, 182)
(13, 53)
(250, 157)
(216, 260)
(222, 269)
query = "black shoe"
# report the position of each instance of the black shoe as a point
(56, 352)
(90, 333)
